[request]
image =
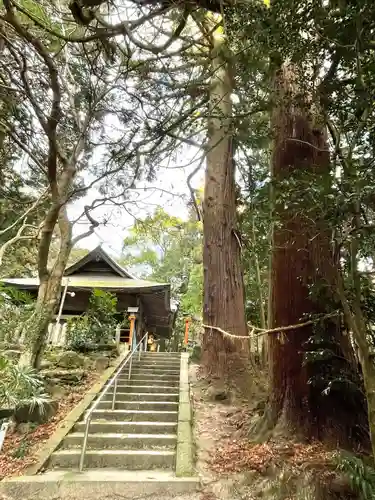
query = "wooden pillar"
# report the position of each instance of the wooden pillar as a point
(118, 335)
(132, 318)
(187, 324)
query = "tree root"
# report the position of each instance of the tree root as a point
(262, 429)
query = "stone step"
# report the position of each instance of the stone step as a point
(155, 366)
(135, 415)
(154, 371)
(142, 396)
(157, 372)
(149, 382)
(176, 365)
(161, 377)
(158, 358)
(136, 388)
(128, 427)
(100, 484)
(148, 375)
(139, 405)
(167, 355)
(102, 441)
(116, 459)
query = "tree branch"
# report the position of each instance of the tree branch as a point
(18, 237)
(94, 224)
(24, 215)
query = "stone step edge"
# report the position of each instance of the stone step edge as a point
(175, 386)
(160, 365)
(151, 376)
(71, 484)
(169, 394)
(127, 422)
(77, 451)
(147, 387)
(99, 475)
(113, 435)
(151, 373)
(174, 403)
(135, 377)
(144, 412)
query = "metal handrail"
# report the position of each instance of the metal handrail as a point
(111, 382)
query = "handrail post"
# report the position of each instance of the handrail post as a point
(114, 395)
(130, 366)
(112, 383)
(140, 351)
(84, 446)
(146, 341)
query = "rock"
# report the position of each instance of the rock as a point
(39, 414)
(6, 413)
(52, 354)
(70, 359)
(24, 427)
(70, 377)
(5, 346)
(107, 349)
(217, 393)
(101, 363)
(109, 354)
(89, 363)
(13, 354)
(56, 391)
(45, 365)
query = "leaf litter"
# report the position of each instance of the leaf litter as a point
(20, 449)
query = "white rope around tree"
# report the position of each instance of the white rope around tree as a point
(262, 331)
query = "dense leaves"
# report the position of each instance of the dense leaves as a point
(19, 385)
(96, 326)
(164, 248)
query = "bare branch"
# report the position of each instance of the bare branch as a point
(94, 224)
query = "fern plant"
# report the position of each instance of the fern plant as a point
(16, 306)
(360, 475)
(19, 385)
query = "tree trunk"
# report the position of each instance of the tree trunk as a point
(262, 312)
(223, 279)
(303, 281)
(35, 330)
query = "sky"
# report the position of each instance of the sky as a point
(170, 191)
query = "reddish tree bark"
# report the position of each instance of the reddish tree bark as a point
(224, 301)
(302, 257)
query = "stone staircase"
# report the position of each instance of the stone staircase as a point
(141, 432)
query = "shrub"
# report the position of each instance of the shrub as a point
(96, 326)
(360, 475)
(19, 385)
(16, 307)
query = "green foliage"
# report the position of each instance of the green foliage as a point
(168, 249)
(196, 353)
(16, 306)
(19, 384)
(165, 248)
(96, 326)
(22, 449)
(361, 475)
